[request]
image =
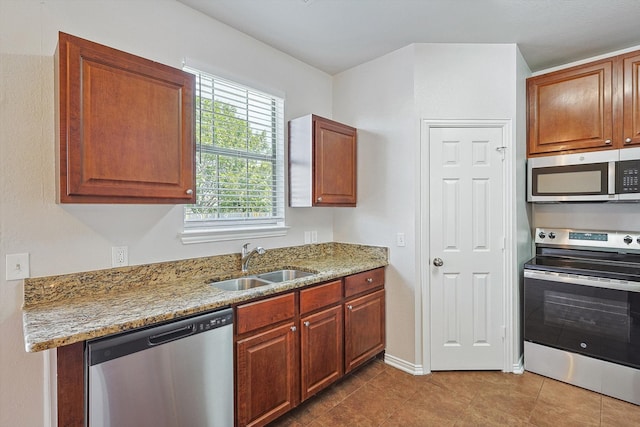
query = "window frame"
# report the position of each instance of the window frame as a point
(220, 229)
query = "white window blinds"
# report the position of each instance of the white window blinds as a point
(239, 155)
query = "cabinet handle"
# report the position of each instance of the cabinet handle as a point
(319, 199)
(369, 280)
(350, 307)
(189, 191)
(293, 329)
(306, 323)
(627, 141)
(608, 142)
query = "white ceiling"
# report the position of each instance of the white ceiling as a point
(335, 35)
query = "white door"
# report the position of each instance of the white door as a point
(466, 245)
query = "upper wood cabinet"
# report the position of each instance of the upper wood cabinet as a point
(631, 99)
(585, 108)
(322, 162)
(126, 127)
(571, 109)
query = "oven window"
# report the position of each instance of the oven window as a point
(603, 317)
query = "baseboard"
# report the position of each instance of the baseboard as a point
(403, 365)
(518, 367)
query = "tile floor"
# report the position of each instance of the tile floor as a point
(379, 395)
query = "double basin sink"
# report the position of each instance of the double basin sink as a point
(255, 281)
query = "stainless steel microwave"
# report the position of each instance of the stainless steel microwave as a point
(609, 176)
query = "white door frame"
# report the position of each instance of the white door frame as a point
(423, 255)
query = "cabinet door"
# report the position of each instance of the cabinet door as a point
(126, 127)
(571, 110)
(364, 333)
(321, 350)
(631, 99)
(267, 375)
(334, 164)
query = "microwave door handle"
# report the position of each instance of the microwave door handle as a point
(612, 178)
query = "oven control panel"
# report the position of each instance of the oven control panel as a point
(613, 240)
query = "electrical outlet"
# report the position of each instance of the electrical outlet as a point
(314, 236)
(17, 266)
(307, 237)
(119, 256)
(400, 240)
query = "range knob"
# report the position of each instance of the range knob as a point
(638, 240)
(627, 239)
(552, 235)
(542, 235)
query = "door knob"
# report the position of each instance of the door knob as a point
(438, 262)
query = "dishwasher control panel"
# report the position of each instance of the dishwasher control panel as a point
(216, 322)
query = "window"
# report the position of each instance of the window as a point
(239, 157)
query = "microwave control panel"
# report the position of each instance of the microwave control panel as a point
(627, 176)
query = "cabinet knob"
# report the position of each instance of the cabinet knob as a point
(319, 199)
(608, 142)
(293, 329)
(627, 141)
(189, 191)
(350, 307)
(369, 280)
(306, 323)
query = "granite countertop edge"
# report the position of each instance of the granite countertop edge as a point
(51, 321)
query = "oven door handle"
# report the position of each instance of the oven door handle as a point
(552, 276)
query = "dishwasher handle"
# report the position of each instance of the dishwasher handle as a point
(172, 335)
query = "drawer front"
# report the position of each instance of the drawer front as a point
(267, 312)
(363, 282)
(320, 296)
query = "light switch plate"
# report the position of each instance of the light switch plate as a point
(400, 240)
(17, 266)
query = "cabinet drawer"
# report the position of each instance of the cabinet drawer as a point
(320, 296)
(363, 282)
(258, 314)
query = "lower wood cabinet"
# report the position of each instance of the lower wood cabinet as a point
(266, 378)
(321, 351)
(291, 346)
(364, 325)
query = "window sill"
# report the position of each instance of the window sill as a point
(191, 236)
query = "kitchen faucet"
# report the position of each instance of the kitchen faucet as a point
(246, 255)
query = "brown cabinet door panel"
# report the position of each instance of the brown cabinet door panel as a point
(321, 350)
(126, 127)
(572, 109)
(334, 163)
(631, 102)
(267, 379)
(364, 329)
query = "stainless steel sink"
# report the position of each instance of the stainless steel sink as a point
(240, 284)
(283, 275)
(255, 281)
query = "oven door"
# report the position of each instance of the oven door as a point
(577, 314)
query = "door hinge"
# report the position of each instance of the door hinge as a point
(503, 329)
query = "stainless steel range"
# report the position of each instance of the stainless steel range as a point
(582, 310)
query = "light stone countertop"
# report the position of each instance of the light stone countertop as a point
(62, 310)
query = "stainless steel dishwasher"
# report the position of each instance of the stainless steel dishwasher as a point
(176, 374)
